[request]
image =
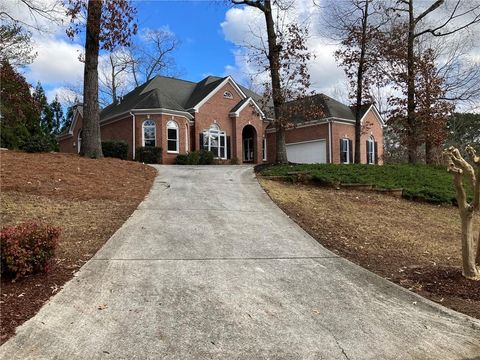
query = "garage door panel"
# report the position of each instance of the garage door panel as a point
(311, 152)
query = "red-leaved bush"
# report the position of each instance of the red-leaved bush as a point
(27, 248)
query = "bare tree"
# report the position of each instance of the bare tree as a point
(461, 169)
(356, 23)
(32, 14)
(284, 55)
(150, 54)
(114, 76)
(153, 55)
(459, 17)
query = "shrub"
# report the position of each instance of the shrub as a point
(37, 143)
(149, 155)
(115, 148)
(182, 159)
(234, 161)
(206, 157)
(193, 158)
(27, 248)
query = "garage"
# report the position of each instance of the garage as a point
(307, 152)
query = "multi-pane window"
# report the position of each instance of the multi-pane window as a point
(172, 136)
(149, 133)
(344, 151)
(264, 149)
(371, 150)
(215, 141)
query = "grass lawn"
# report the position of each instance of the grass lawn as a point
(414, 244)
(88, 199)
(419, 182)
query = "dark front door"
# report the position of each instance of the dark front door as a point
(248, 149)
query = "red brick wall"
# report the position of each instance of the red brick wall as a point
(69, 144)
(119, 130)
(161, 134)
(371, 127)
(217, 110)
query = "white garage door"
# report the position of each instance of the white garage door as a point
(310, 152)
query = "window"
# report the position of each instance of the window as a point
(344, 151)
(172, 136)
(371, 150)
(79, 140)
(149, 133)
(227, 95)
(215, 141)
(264, 149)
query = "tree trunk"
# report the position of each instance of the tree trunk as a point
(361, 63)
(274, 62)
(114, 80)
(411, 126)
(469, 246)
(91, 143)
(429, 148)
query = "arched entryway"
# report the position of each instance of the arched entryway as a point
(249, 144)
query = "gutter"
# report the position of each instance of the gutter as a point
(133, 131)
(330, 141)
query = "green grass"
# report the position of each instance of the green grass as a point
(419, 182)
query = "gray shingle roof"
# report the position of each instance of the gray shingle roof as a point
(169, 93)
(327, 107)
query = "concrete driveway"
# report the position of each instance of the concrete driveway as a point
(208, 267)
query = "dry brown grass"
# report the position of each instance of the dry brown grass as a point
(413, 244)
(88, 199)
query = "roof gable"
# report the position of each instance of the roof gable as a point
(168, 93)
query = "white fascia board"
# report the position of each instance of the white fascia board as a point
(214, 91)
(376, 113)
(121, 116)
(72, 126)
(249, 101)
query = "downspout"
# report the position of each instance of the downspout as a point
(330, 141)
(133, 128)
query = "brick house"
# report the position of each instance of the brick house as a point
(219, 115)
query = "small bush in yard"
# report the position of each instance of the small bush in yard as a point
(182, 159)
(37, 143)
(115, 148)
(149, 155)
(27, 248)
(206, 157)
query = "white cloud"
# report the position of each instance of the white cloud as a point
(65, 95)
(57, 61)
(242, 26)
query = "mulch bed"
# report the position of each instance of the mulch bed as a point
(88, 199)
(415, 245)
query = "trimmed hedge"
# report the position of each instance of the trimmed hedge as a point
(419, 182)
(115, 149)
(149, 155)
(201, 157)
(27, 248)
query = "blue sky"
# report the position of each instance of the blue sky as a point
(210, 33)
(203, 49)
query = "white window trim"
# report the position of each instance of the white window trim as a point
(372, 142)
(346, 140)
(265, 149)
(143, 132)
(220, 134)
(79, 141)
(177, 140)
(228, 95)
